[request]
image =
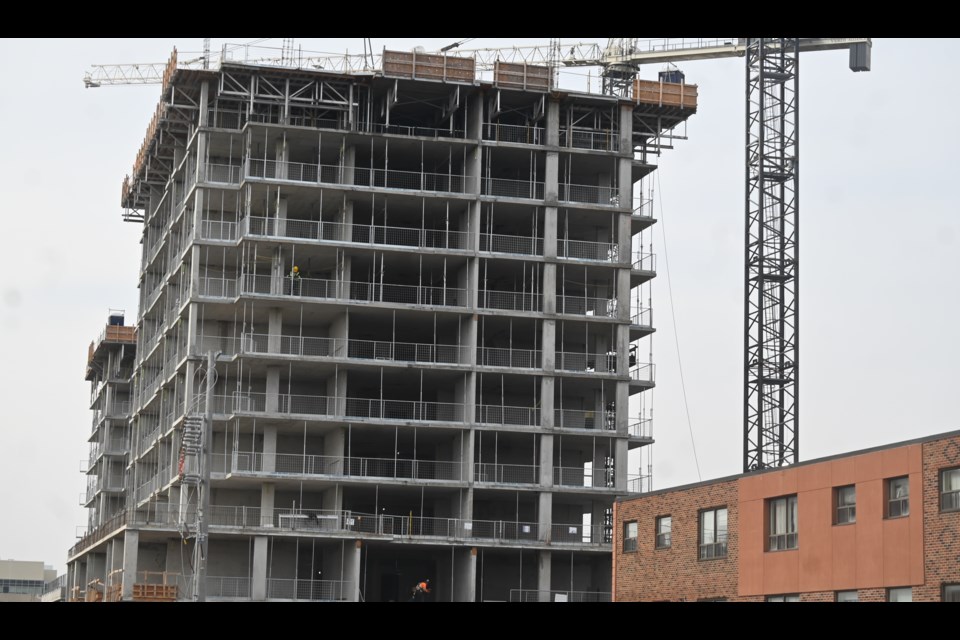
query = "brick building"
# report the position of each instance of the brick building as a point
(871, 525)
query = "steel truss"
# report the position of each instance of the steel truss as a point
(771, 332)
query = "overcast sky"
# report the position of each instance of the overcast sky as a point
(879, 256)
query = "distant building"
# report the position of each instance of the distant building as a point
(24, 581)
(880, 524)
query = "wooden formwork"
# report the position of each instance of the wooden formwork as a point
(531, 77)
(154, 593)
(428, 66)
(665, 94)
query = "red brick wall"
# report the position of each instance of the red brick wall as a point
(675, 573)
(941, 531)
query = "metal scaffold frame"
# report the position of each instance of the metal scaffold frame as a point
(771, 332)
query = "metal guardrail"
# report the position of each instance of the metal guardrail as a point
(503, 415)
(644, 262)
(356, 233)
(218, 230)
(581, 477)
(643, 372)
(228, 587)
(509, 300)
(300, 589)
(359, 349)
(641, 429)
(515, 245)
(639, 483)
(359, 176)
(581, 419)
(508, 357)
(223, 173)
(641, 316)
(487, 472)
(507, 188)
(585, 250)
(589, 139)
(589, 194)
(299, 464)
(513, 133)
(587, 306)
(533, 595)
(586, 362)
(252, 402)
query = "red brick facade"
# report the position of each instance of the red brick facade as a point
(921, 551)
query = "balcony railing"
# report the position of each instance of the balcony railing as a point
(644, 262)
(641, 429)
(223, 174)
(643, 372)
(298, 464)
(581, 419)
(228, 587)
(589, 194)
(360, 176)
(587, 306)
(516, 245)
(503, 357)
(586, 362)
(513, 133)
(504, 415)
(487, 472)
(509, 300)
(507, 188)
(356, 233)
(340, 407)
(583, 477)
(641, 316)
(359, 349)
(533, 595)
(589, 139)
(584, 250)
(313, 590)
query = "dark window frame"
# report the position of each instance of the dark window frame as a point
(627, 547)
(953, 495)
(902, 504)
(849, 511)
(718, 549)
(788, 537)
(943, 591)
(667, 535)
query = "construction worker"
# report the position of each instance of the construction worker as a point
(295, 280)
(420, 591)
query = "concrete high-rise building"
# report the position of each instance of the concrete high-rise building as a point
(425, 297)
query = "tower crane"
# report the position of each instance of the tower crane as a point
(772, 163)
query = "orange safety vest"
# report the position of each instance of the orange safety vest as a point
(423, 587)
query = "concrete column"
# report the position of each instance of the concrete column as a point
(258, 582)
(334, 445)
(626, 129)
(625, 183)
(623, 295)
(282, 155)
(550, 288)
(274, 330)
(282, 217)
(624, 240)
(550, 233)
(465, 574)
(545, 511)
(194, 271)
(131, 543)
(267, 492)
(278, 272)
(543, 575)
(269, 442)
(547, 404)
(350, 572)
(548, 345)
(623, 407)
(337, 388)
(621, 462)
(465, 454)
(273, 390)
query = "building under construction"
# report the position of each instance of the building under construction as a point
(393, 326)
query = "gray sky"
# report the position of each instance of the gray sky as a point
(880, 256)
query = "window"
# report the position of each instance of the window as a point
(847, 596)
(783, 523)
(713, 533)
(786, 598)
(950, 490)
(898, 497)
(629, 536)
(846, 501)
(951, 593)
(664, 525)
(900, 594)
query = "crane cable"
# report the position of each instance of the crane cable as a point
(676, 339)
